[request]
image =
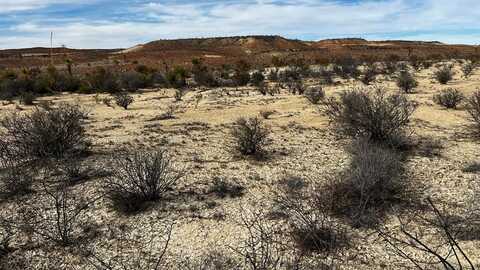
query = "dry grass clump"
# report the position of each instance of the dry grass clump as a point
(250, 136)
(140, 177)
(449, 98)
(371, 114)
(45, 133)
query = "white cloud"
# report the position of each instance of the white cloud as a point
(429, 19)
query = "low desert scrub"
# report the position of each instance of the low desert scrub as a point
(449, 98)
(265, 114)
(6, 234)
(250, 136)
(132, 252)
(314, 94)
(372, 114)
(371, 184)
(27, 98)
(53, 133)
(406, 82)
(257, 78)
(102, 79)
(132, 81)
(123, 99)
(473, 108)
(179, 93)
(140, 177)
(58, 217)
(224, 188)
(444, 74)
(468, 69)
(346, 68)
(368, 75)
(14, 178)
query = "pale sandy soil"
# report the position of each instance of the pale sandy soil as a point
(304, 145)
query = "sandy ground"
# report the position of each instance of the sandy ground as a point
(304, 145)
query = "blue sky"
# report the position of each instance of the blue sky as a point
(125, 23)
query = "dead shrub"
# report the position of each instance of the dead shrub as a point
(406, 81)
(123, 99)
(314, 94)
(444, 74)
(140, 177)
(53, 133)
(250, 136)
(371, 114)
(449, 98)
(473, 108)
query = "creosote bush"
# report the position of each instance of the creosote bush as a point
(468, 69)
(45, 133)
(123, 99)
(473, 108)
(449, 98)
(14, 178)
(372, 114)
(406, 82)
(314, 94)
(444, 74)
(369, 75)
(140, 177)
(250, 136)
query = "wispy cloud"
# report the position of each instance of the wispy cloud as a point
(122, 23)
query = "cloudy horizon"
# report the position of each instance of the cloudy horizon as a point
(122, 23)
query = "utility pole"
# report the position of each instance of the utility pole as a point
(51, 48)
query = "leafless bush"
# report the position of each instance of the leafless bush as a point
(468, 69)
(368, 187)
(132, 252)
(413, 242)
(406, 81)
(261, 248)
(449, 98)
(6, 234)
(57, 216)
(314, 94)
(123, 99)
(473, 108)
(444, 74)
(369, 75)
(371, 114)
(53, 133)
(140, 177)
(15, 179)
(250, 136)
